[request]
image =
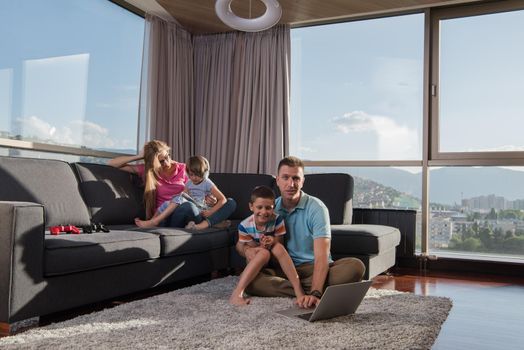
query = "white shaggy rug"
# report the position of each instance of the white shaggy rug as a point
(201, 317)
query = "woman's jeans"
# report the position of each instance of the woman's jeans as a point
(187, 211)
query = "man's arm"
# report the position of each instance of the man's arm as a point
(321, 249)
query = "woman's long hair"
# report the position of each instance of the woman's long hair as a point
(152, 166)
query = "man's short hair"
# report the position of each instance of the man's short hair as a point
(262, 192)
(292, 162)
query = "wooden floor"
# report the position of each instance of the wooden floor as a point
(487, 312)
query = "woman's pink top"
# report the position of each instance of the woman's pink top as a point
(170, 187)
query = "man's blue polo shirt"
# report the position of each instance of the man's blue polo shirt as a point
(307, 221)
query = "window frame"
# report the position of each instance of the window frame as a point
(431, 156)
(438, 158)
(83, 150)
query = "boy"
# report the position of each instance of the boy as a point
(260, 236)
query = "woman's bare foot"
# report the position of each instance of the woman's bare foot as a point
(144, 223)
(238, 299)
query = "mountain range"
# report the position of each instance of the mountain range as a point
(447, 185)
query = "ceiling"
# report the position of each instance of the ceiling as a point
(198, 16)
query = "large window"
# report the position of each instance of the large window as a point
(70, 74)
(481, 104)
(451, 148)
(358, 85)
(477, 210)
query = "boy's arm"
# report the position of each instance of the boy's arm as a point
(280, 231)
(221, 200)
(279, 239)
(241, 247)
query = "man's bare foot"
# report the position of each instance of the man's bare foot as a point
(237, 299)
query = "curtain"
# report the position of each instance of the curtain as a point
(242, 99)
(223, 96)
(170, 90)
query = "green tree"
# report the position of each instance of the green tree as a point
(514, 245)
(486, 236)
(455, 243)
(468, 232)
(510, 214)
(474, 216)
(492, 215)
(474, 230)
(471, 244)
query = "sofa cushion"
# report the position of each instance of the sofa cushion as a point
(51, 183)
(180, 241)
(74, 253)
(239, 187)
(336, 191)
(113, 196)
(363, 239)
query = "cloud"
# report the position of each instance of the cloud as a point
(75, 132)
(39, 129)
(353, 121)
(304, 149)
(394, 141)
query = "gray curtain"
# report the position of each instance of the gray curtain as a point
(170, 90)
(241, 99)
(222, 96)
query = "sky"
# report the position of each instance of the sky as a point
(72, 75)
(73, 71)
(357, 87)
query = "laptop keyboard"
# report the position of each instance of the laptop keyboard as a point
(305, 316)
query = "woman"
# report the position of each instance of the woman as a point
(163, 178)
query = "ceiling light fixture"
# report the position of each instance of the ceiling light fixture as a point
(267, 20)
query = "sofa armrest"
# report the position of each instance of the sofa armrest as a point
(21, 257)
(404, 220)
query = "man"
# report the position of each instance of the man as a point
(309, 243)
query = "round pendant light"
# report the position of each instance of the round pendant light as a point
(267, 20)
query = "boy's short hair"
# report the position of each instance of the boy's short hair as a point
(198, 165)
(262, 192)
(292, 162)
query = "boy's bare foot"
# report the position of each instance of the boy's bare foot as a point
(191, 225)
(201, 226)
(239, 300)
(223, 224)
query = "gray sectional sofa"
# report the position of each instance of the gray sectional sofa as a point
(42, 273)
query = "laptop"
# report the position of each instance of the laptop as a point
(337, 300)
